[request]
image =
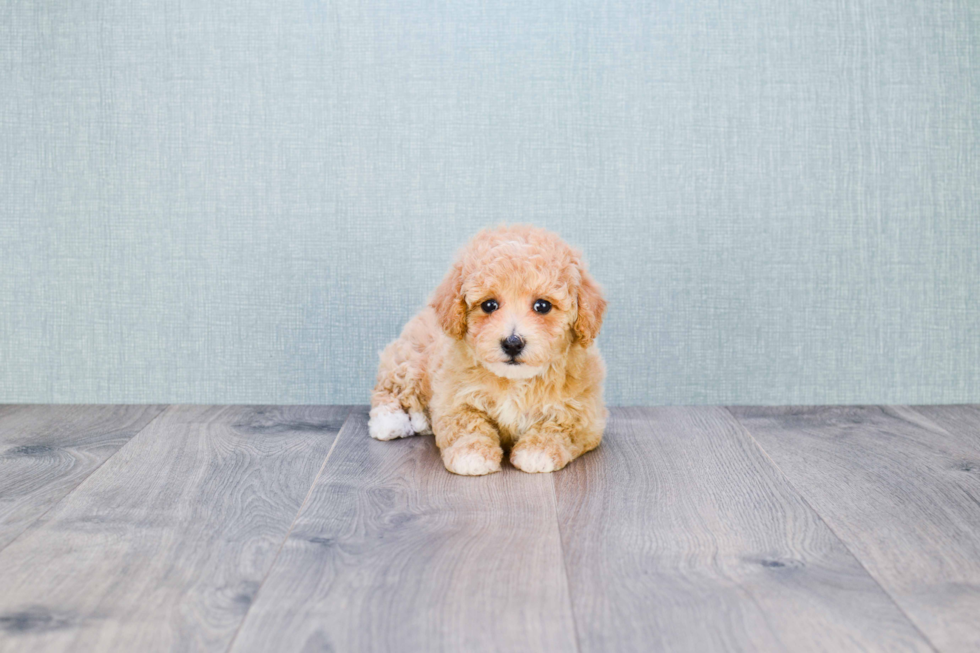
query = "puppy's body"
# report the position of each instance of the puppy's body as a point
(517, 376)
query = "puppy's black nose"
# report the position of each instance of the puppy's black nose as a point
(512, 345)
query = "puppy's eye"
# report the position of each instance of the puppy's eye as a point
(542, 306)
(490, 306)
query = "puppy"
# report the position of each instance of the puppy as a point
(502, 358)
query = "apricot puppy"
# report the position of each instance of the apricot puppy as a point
(502, 358)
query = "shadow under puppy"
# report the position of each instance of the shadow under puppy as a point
(503, 357)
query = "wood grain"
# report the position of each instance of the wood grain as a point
(680, 535)
(962, 422)
(164, 547)
(904, 495)
(46, 451)
(393, 553)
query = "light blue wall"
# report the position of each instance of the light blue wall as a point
(242, 201)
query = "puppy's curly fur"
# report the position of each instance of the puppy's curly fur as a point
(452, 373)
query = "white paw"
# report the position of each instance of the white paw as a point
(472, 459)
(420, 424)
(388, 423)
(531, 460)
(473, 463)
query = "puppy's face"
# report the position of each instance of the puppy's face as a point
(519, 297)
(517, 331)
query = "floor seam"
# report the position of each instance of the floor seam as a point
(830, 528)
(564, 565)
(37, 519)
(289, 532)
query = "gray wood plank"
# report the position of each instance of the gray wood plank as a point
(165, 545)
(903, 494)
(393, 553)
(680, 535)
(46, 451)
(962, 422)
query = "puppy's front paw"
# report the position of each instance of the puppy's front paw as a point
(473, 456)
(535, 457)
(389, 422)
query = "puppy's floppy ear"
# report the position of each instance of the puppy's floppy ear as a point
(449, 303)
(591, 308)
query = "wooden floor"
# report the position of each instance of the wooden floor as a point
(275, 528)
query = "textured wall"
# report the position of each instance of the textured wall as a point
(242, 201)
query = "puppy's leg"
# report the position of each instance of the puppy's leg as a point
(546, 447)
(388, 421)
(549, 446)
(397, 407)
(469, 443)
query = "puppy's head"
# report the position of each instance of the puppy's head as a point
(519, 297)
